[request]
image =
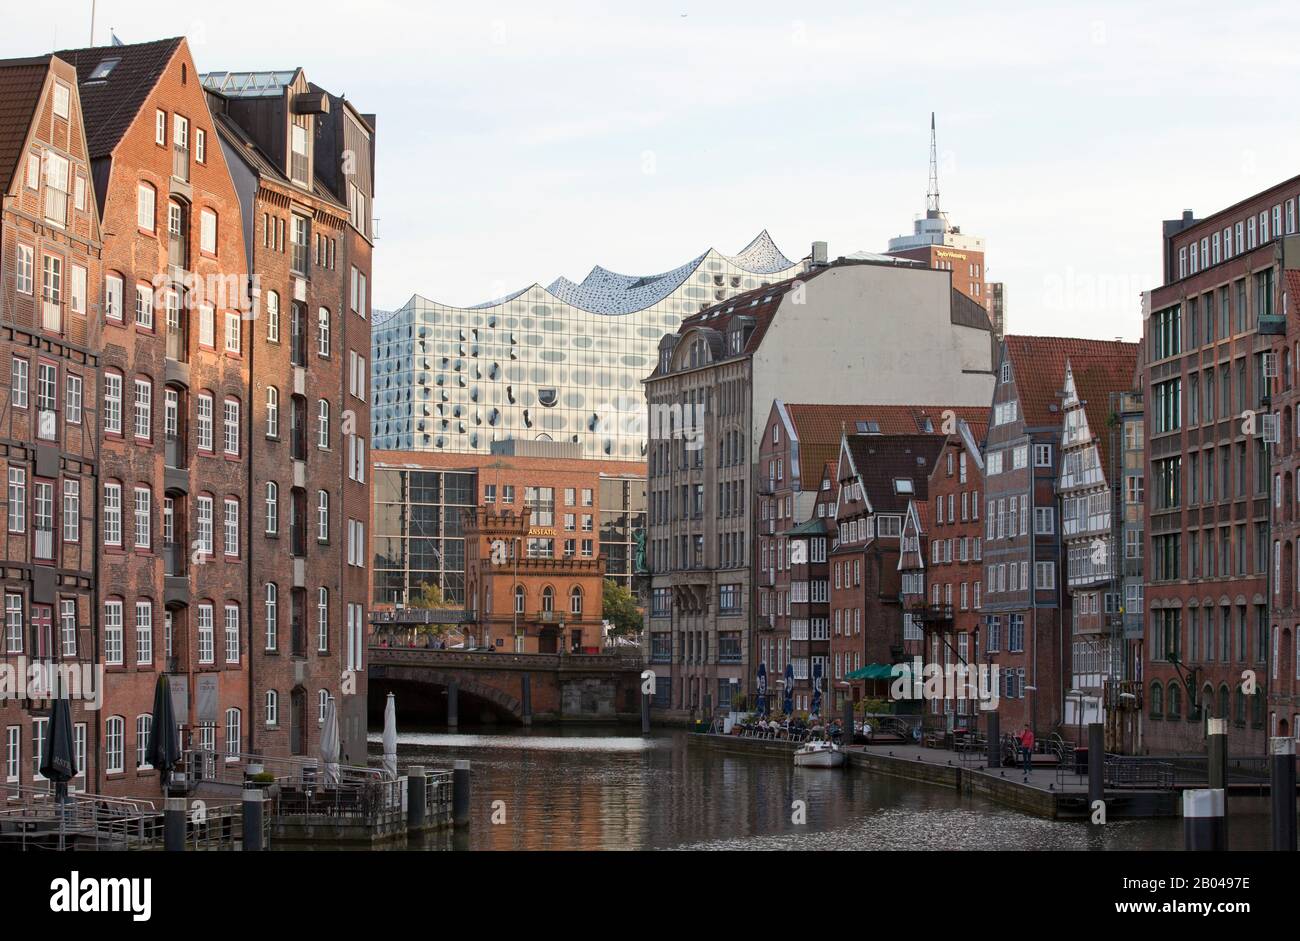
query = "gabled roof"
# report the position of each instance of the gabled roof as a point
(1095, 378)
(21, 82)
(1038, 368)
(110, 104)
(881, 459)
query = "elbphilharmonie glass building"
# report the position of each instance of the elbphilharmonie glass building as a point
(560, 363)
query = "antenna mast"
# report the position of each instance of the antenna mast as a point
(932, 195)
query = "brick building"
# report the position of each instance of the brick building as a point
(834, 334)
(1024, 601)
(1092, 498)
(877, 476)
(173, 583)
(523, 597)
(306, 354)
(50, 277)
(1213, 331)
(941, 570)
(801, 439)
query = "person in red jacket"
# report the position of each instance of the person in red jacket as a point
(1027, 748)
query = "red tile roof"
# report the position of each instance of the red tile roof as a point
(819, 426)
(1095, 378)
(1038, 367)
(21, 82)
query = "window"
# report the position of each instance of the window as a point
(272, 617)
(230, 427)
(1042, 455)
(144, 306)
(323, 332)
(142, 409)
(323, 515)
(201, 145)
(323, 424)
(203, 423)
(77, 293)
(18, 383)
(13, 623)
(230, 528)
(208, 231)
(575, 601)
(273, 316)
(323, 620)
(272, 412)
(272, 707)
(115, 744)
(233, 339)
(144, 207)
(207, 640)
(73, 400)
(142, 507)
(160, 128)
(143, 632)
(203, 517)
(17, 500)
(272, 508)
(112, 514)
(71, 510)
(233, 726)
(231, 624)
(26, 269)
(207, 326)
(113, 632)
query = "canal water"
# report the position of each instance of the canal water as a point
(605, 789)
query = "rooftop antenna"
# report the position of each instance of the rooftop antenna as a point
(932, 195)
(92, 22)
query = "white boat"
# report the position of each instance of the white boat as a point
(818, 755)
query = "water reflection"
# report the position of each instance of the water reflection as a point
(603, 790)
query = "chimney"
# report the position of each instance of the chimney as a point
(819, 254)
(1188, 217)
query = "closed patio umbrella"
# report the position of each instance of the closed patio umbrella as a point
(164, 749)
(329, 745)
(761, 707)
(58, 756)
(787, 706)
(390, 736)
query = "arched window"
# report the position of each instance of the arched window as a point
(114, 744)
(323, 515)
(273, 316)
(272, 615)
(272, 707)
(272, 508)
(272, 412)
(233, 733)
(1175, 708)
(519, 599)
(323, 332)
(143, 732)
(323, 423)
(322, 703)
(1157, 700)
(575, 601)
(323, 620)
(548, 599)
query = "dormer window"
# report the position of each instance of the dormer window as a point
(868, 427)
(298, 157)
(903, 485)
(102, 70)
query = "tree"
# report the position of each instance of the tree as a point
(619, 608)
(431, 598)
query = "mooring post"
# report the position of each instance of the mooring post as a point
(460, 794)
(1203, 819)
(526, 698)
(1217, 740)
(645, 713)
(1282, 792)
(995, 740)
(453, 704)
(846, 736)
(174, 825)
(415, 798)
(252, 822)
(1096, 763)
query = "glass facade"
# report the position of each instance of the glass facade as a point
(561, 363)
(418, 532)
(622, 530)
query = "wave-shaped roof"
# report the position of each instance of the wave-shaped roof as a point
(607, 292)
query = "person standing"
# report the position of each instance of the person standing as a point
(1027, 749)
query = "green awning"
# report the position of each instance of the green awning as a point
(876, 671)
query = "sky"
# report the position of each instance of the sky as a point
(522, 141)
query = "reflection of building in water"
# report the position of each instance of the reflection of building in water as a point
(560, 363)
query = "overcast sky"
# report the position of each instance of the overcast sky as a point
(521, 141)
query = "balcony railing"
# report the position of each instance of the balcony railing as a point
(931, 613)
(174, 559)
(174, 452)
(44, 543)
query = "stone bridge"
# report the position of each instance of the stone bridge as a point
(450, 686)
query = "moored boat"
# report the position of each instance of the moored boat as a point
(818, 755)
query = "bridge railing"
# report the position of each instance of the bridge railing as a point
(505, 660)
